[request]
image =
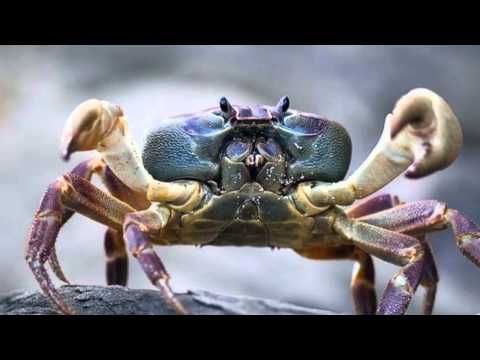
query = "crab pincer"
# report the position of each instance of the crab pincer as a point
(89, 123)
(425, 121)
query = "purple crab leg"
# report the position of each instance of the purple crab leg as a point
(429, 278)
(115, 248)
(376, 204)
(70, 192)
(363, 276)
(396, 248)
(420, 217)
(467, 235)
(114, 242)
(363, 283)
(116, 258)
(137, 228)
(372, 205)
(84, 170)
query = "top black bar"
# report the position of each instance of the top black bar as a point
(244, 26)
(68, 36)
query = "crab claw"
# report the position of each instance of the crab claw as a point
(89, 123)
(425, 124)
(421, 136)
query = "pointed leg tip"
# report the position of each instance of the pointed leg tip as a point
(67, 310)
(65, 154)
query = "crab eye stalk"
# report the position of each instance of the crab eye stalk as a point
(226, 107)
(283, 104)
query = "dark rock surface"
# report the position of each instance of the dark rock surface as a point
(117, 300)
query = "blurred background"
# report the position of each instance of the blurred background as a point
(354, 85)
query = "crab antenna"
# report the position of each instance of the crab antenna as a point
(283, 104)
(225, 106)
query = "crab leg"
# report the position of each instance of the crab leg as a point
(116, 258)
(427, 215)
(429, 278)
(85, 170)
(395, 248)
(363, 276)
(422, 135)
(137, 228)
(412, 217)
(114, 243)
(69, 192)
(373, 205)
(115, 249)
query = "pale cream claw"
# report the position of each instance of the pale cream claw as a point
(102, 126)
(89, 123)
(422, 135)
(425, 123)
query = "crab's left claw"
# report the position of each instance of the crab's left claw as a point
(425, 125)
(421, 135)
(89, 123)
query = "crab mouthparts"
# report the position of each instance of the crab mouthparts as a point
(254, 164)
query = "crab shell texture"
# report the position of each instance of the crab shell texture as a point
(195, 146)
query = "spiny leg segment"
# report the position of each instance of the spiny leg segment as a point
(137, 228)
(372, 207)
(115, 248)
(363, 276)
(84, 170)
(73, 193)
(374, 234)
(429, 278)
(116, 258)
(114, 242)
(393, 247)
(420, 217)
(69, 193)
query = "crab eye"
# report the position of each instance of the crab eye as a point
(283, 104)
(226, 107)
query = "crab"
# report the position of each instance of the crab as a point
(261, 176)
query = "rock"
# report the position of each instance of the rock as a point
(118, 300)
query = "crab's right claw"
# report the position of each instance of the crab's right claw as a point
(424, 125)
(89, 124)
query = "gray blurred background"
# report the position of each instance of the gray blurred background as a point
(355, 85)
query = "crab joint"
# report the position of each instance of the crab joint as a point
(180, 195)
(302, 199)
